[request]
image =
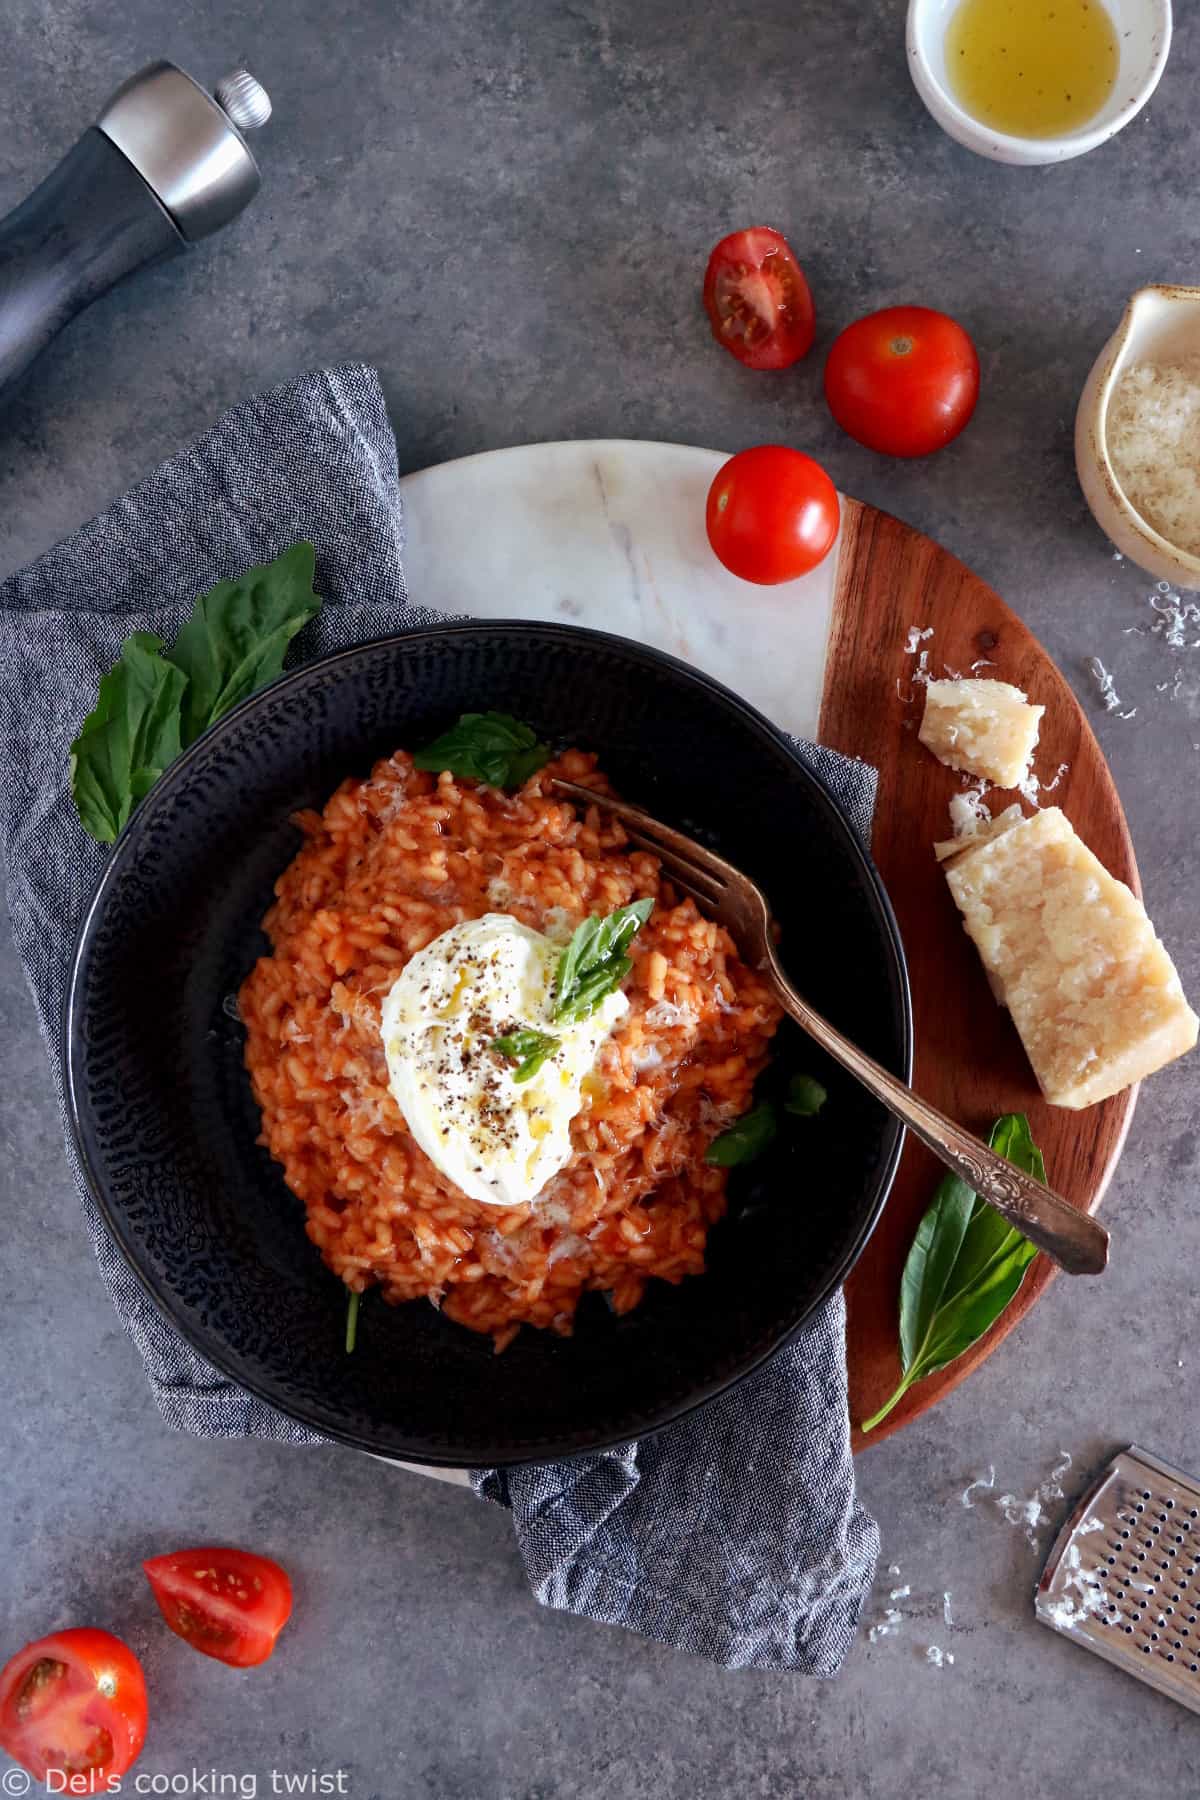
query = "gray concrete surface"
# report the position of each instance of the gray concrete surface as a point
(507, 206)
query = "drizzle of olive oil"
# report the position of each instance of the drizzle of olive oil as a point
(1032, 68)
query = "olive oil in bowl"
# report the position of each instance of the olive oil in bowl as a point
(1032, 68)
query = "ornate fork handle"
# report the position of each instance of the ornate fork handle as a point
(1069, 1237)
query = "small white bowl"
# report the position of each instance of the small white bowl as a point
(1143, 32)
(1160, 324)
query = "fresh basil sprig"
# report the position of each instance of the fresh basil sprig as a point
(745, 1139)
(592, 966)
(237, 635)
(154, 702)
(805, 1096)
(750, 1135)
(491, 747)
(594, 963)
(965, 1265)
(128, 738)
(528, 1048)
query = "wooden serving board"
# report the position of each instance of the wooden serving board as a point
(969, 1059)
(611, 535)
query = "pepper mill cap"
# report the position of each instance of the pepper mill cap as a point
(187, 145)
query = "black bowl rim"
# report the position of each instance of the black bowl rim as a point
(124, 848)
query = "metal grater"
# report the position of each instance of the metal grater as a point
(1123, 1578)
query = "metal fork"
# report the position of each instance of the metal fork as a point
(1069, 1237)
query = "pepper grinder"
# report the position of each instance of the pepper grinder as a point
(165, 164)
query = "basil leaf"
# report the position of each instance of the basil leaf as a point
(965, 1266)
(579, 954)
(235, 640)
(128, 738)
(151, 705)
(1011, 1138)
(745, 1139)
(594, 963)
(805, 1098)
(352, 1322)
(491, 747)
(527, 1047)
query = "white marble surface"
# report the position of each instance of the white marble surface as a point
(611, 534)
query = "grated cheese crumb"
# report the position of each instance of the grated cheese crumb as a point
(887, 1626)
(1051, 1488)
(979, 1482)
(1107, 689)
(1027, 1514)
(968, 811)
(973, 834)
(1065, 1611)
(1173, 618)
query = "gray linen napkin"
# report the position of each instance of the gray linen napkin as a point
(735, 1534)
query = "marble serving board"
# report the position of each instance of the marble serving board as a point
(611, 535)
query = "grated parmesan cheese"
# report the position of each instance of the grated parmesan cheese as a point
(968, 811)
(977, 830)
(1153, 434)
(890, 1623)
(1107, 690)
(980, 1484)
(1173, 618)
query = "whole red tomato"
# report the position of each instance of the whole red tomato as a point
(772, 514)
(903, 381)
(74, 1703)
(757, 300)
(229, 1604)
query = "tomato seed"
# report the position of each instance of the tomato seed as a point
(200, 1628)
(43, 1675)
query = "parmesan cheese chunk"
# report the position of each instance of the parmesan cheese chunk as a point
(1072, 955)
(984, 728)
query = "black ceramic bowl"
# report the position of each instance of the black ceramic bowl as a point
(166, 1125)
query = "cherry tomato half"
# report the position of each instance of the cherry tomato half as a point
(229, 1604)
(74, 1703)
(757, 299)
(903, 381)
(772, 514)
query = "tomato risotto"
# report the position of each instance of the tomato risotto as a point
(391, 863)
